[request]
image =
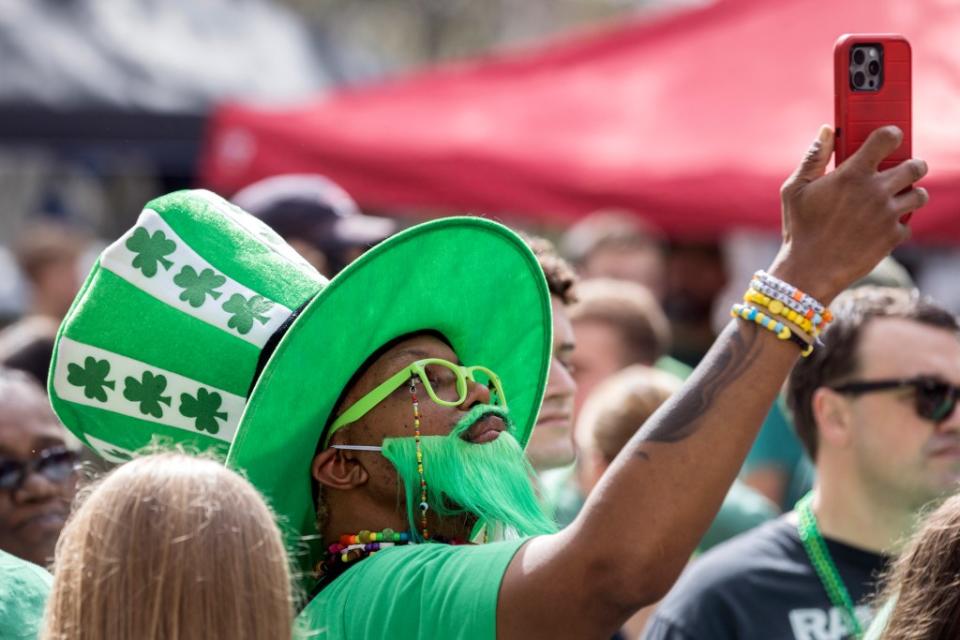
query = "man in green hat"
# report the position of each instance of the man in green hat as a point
(391, 405)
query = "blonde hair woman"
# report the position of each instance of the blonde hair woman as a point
(174, 547)
(922, 589)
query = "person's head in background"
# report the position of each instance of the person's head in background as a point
(27, 346)
(617, 323)
(875, 406)
(37, 470)
(922, 588)
(170, 546)
(49, 255)
(614, 412)
(618, 244)
(551, 444)
(316, 217)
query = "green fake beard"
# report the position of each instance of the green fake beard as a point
(491, 481)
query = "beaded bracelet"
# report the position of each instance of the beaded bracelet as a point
(818, 321)
(777, 308)
(796, 299)
(809, 338)
(781, 330)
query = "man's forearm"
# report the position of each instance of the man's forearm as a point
(667, 484)
(643, 520)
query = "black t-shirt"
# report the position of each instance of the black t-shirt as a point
(761, 585)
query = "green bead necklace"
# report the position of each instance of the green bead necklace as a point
(823, 563)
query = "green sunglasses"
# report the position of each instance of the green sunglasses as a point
(445, 382)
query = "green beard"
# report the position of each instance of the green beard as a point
(491, 481)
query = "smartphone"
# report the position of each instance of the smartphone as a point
(872, 89)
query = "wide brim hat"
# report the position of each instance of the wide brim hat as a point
(164, 342)
(472, 280)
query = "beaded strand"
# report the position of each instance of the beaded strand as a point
(776, 307)
(354, 547)
(802, 303)
(424, 506)
(782, 331)
(823, 564)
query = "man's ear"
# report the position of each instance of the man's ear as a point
(338, 469)
(832, 414)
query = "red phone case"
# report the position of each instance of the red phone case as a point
(858, 113)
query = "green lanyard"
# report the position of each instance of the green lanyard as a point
(823, 563)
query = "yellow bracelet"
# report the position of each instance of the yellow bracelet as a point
(778, 308)
(781, 330)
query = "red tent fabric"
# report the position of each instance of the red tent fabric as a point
(693, 120)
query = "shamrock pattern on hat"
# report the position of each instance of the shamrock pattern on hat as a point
(196, 287)
(204, 408)
(156, 260)
(86, 375)
(148, 393)
(245, 311)
(150, 249)
(92, 377)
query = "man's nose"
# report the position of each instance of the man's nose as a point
(951, 423)
(561, 382)
(476, 394)
(37, 487)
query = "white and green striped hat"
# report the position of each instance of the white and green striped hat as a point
(163, 341)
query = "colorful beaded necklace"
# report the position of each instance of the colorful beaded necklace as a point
(823, 563)
(354, 547)
(424, 507)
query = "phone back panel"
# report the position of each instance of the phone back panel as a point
(858, 113)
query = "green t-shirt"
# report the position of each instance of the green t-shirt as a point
(24, 588)
(424, 591)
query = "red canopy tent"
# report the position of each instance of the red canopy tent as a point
(692, 120)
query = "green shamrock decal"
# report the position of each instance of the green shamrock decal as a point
(204, 408)
(246, 311)
(148, 391)
(150, 250)
(92, 376)
(196, 287)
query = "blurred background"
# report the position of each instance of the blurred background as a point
(681, 115)
(647, 139)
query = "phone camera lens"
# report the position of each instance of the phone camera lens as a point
(858, 79)
(858, 56)
(873, 67)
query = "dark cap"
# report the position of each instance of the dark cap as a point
(315, 209)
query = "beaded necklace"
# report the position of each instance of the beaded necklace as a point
(823, 564)
(354, 547)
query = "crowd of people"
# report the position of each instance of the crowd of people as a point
(276, 416)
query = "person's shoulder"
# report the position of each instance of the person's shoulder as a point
(752, 550)
(722, 571)
(24, 588)
(403, 579)
(706, 600)
(19, 575)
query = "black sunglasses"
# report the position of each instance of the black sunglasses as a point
(55, 464)
(935, 399)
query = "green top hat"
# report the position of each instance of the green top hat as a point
(136, 357)
(164, 337)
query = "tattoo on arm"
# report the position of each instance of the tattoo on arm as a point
(681, 417)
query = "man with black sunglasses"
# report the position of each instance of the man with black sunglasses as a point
(875, 408)
(37, 479)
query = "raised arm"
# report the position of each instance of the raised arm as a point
(639, 527)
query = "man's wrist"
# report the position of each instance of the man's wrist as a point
(822, 289)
